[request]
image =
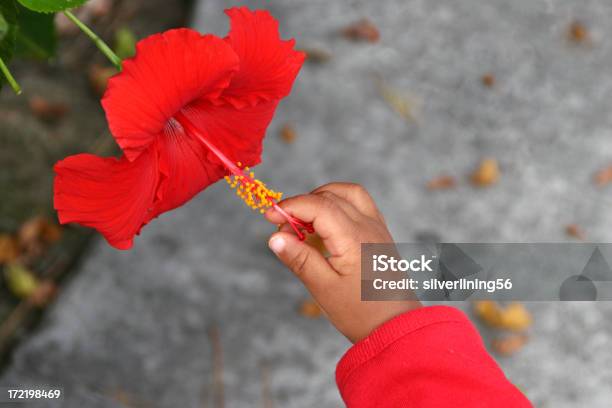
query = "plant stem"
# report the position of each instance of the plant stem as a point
(9, 77)
(106, 50)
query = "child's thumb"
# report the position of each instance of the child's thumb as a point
(308, 264)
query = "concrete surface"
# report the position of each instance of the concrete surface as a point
(138, 322)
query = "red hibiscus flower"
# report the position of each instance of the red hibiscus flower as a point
(187, 110)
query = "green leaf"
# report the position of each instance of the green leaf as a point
(20, 281)
(4, 27)
(51, 6)
(8, 29)
(125, 43)
(35, 34)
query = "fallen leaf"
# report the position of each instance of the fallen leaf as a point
(310, 309)
(362, 30)
(39, 228)
(37, 232)
(9, 249)
(603, 176)
(29, 235)
(99, 76)
(47, 111)
(316, 55)
(406, 107)
(288, 133)
(486, 174)
(43, 294)
(20, 281)
(51, 232)
(574, 230)
(488, 80)
(578, 33)
(509, 344)
(514, 316)
(488, 311)
(441, 183)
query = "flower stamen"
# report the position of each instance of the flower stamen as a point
(253, 191)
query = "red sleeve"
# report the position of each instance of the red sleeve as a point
(429, 357)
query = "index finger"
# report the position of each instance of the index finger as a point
(328, 218)
(355, 194)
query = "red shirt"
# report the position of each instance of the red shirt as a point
(428, 357)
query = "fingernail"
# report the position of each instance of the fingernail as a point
(277, 244)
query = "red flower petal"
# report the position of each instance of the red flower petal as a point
(238, 133)
(114, 196)
(268, 65)
(187, 171)
(169, 71)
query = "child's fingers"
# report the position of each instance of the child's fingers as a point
(354, 194)
(305, 262)
(326, 215)
(275, 217)
(348, 208)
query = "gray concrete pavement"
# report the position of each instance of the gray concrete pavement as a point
(139, 321)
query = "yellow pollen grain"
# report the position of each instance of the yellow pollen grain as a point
(252, 191)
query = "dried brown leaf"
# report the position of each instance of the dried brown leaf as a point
(310, 309)
(36, 229)
(509, 344)
(441, 183)
(603, 176)
(488, 80)
(362, 30)
(43, 294)
(574, 230)
(288, 133)
(30, 232)
(51, 233)
(316, 55)
(488, 311)
(486, 174)
(406, 107)
(36, 233)
(9, 249)
(514, 316)
(47, 111)
(578, 33)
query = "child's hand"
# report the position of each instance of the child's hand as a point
(344, 215)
